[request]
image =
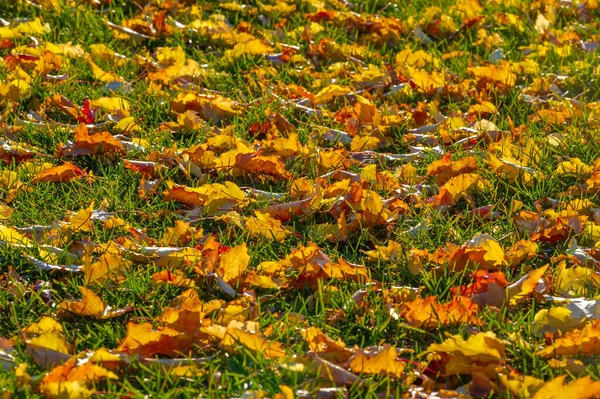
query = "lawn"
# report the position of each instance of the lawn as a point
(300, 199)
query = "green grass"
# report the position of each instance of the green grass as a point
(259, 87)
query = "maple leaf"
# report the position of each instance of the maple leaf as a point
(523, 249)
(251, 47)
(567, 281)
(233, 263)
(511, 168)
(483, 279)
(235, 337)
(458, 187)
(175, 278)
(90, 305)
(110, 267)
(584, 341)
(501, 74)
(582, 388)
(143, 340)
(210, 108)
(444, 169)
(86, 144)
(384, 362)
(427, 82)
(428, 313)
(264, 225)
(481, 352)
(324, 346)
(16, 90)
(111, 105)
(99, 74)
(82, 220)
(329, 93)
(62, 173)
(190, 313)
(256, 163)
(71, 381)
(46, 342)
(527, 285)
(521, 385)
(214, 198)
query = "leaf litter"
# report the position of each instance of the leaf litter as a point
(330, 199)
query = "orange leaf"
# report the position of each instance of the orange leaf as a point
(62, 173)
(585, 342)
(174, 277)
(86, 144)
(427, 313)
(324, 346)
(444, 169)
(144, 340)
(69, 380)
(91, 305)
(258, 164)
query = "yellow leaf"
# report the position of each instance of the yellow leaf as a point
(329, 93)
(583, 388)
(34, 27)
(82, 220)
(427, 82)
(494, 253)
(570, 281)
(102, 76)
(48, 334)
(522, 386)
(573, 166)
(480, 352)
(169, 56)
(264, 225)
(485, 107)
(67, 390)
(412, 58)
(585, 341)
(251, 47)
(384, 362)
(109, 267)
(16, 90)
(387, 253)
(254, 342)
(495, 73)
(234, 263)
(555, 319)
(90, 305)
(459, 186)
(364, 143)
(216, 198)
(111, 104)
(12, 236)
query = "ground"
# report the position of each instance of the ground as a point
(299, 199)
